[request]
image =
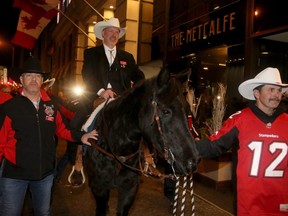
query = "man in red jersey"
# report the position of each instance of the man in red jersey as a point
(259, 136)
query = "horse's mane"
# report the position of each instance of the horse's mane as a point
(131, 97)
(134, 96)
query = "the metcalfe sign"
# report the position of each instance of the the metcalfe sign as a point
(205, 30)
(222, 26)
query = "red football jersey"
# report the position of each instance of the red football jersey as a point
(262, 171)
(262, 166)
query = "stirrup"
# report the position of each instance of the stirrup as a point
(75, 172)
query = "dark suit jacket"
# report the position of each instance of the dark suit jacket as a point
(96, 67)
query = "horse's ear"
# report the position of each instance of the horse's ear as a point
(163, 77)
(183, 76)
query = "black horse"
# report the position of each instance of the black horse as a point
(153, 111)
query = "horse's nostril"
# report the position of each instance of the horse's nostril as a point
(189, 165)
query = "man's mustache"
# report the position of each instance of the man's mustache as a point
(275, 99)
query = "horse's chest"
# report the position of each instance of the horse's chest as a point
(108, 171)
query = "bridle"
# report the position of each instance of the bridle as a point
(171, 161)
(167, 151)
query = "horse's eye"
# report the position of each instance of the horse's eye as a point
(165, 112)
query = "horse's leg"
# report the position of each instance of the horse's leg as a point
(100, 175)
(102, 199)
(126, 196)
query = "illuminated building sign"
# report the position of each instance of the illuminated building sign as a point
(218, 27)
(205, 30)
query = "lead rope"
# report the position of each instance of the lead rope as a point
(183, 195)
(192, 194)
(175, 201)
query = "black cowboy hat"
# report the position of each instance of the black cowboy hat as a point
(31, 65)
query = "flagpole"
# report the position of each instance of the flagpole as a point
(95, 10)
(76, 25)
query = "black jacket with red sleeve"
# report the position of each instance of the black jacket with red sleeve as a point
(27, 144)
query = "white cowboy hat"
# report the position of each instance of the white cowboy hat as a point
(268, 76)
(50, 82)
(112, 22)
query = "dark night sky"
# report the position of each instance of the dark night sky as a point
(8, 24)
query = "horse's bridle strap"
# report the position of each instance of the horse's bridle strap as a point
(119, 158)
(153, 172)
(157, 119)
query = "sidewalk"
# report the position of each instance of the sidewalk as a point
(68, 201)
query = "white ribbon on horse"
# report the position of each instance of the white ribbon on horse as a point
(91, 118)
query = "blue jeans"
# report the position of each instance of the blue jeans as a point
(13, 191)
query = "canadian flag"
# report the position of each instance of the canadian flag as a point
(33, 18)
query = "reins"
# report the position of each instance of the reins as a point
(121, 159)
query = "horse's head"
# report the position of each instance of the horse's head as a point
(167, 126)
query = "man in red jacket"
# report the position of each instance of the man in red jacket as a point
(29, 122)
(4, 97)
